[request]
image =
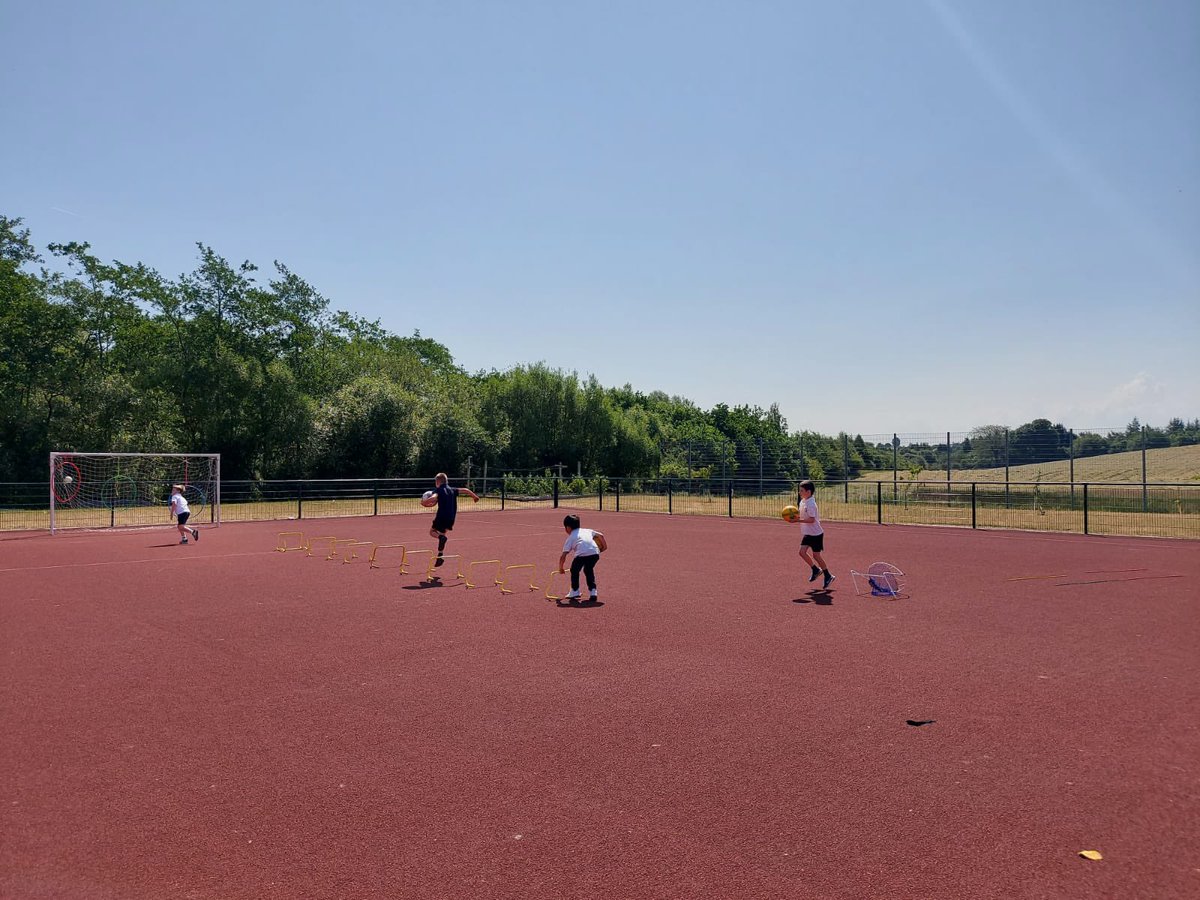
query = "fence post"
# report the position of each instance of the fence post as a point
(670, 498)
(1085, 508)
(895, 460)
(300, 500)
(503, 491)
(601, 494)
(947, 462)
(760, 467)
(731, 501)
(1145, 505)
(556, 480)
(846, 466)
(724, 459)
(375, 491)
(973, 514)
(618, 483)
(879, 503)
(1071, 454)
(1007, 501)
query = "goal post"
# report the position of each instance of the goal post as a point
(111, 490)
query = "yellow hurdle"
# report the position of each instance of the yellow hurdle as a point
(352, 550)
(321, 540)
(375, 554)
(431, 575)
(283, 543)
(504, 589)
(336, 546)
(550, 585)
(409, 553)
(483, 562)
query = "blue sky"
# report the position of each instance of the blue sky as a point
(894, 215)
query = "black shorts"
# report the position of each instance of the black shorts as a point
(815, 541)
(183, 517)
(443, 527)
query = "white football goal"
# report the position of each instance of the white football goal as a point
(110, 490)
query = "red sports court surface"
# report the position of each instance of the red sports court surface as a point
(224, 721)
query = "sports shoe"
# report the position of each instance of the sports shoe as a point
(196, 533)
(439, 562)
(829, 578)
(184, 541)
(815, 573)
(572, 595)
(592, 595)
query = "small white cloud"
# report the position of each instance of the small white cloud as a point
(1140, 391)
(1143, 396)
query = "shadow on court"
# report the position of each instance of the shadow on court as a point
(819, 596)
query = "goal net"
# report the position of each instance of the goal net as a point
(109, 490)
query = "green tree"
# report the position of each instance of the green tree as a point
(367, 429)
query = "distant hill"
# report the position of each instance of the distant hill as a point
(1165, 464)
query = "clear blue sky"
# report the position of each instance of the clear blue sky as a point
(891, 215)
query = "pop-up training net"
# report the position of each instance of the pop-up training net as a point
(880, 580)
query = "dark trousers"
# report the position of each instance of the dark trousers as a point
(588, 565)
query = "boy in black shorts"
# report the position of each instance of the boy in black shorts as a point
(812, 544)
(446, 499)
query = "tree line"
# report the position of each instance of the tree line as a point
(116, 357)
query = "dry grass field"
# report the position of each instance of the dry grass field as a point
(1170, 465)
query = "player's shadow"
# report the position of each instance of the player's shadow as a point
(817, 596)
(423, 585)
(578, 604)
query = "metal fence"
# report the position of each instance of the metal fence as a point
(1161, 510)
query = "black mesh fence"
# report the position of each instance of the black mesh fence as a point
(1152, 509)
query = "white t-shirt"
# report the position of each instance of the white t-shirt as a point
(808, 507)
(178, 504)
(582, 541)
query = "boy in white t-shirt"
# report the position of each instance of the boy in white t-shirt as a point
(588, 545)
(813, 535)
(179, 509)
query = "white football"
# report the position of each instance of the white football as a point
(427, 495)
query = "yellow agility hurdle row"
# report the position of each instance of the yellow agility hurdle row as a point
(348, 550)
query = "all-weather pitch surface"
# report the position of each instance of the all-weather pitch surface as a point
(225, 720)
